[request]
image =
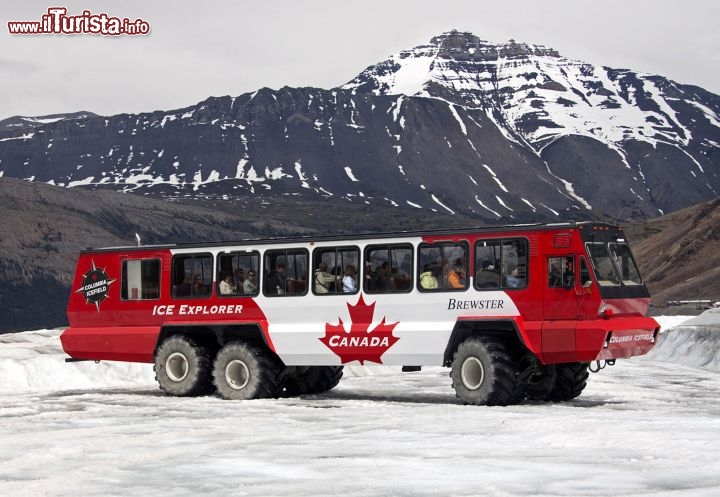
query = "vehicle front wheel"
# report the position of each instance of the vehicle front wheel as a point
(183, 368)
(484, 373)
(246, 371)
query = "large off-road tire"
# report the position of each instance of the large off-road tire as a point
(246, 371)
(311, 380)
(183, 368)
(570, 381)
(484, 372)
(542, 384)
(559, 382)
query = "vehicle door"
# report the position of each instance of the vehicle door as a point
(560, 308)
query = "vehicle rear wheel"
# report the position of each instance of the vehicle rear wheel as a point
(183, 368)
(311, 380)
(542, 384)
(483, 372)
(246, 371)
(570, 381)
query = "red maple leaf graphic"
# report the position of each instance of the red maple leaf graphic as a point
(360, 344)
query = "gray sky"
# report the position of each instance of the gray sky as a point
(214, 48)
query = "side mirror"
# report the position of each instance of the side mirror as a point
(569, 282)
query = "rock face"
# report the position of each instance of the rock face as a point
(616, 136)
(504, 133)
(680, 253)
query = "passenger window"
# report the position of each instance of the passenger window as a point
(442, 266)
(192, 275)
(513, 265)
(286, 272)
(388, 269)
(140, 279)
(501, 264)
(487, 264)
(335, 270)
(561, 271)
(237, 273)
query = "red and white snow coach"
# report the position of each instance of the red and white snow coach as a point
(515, 312)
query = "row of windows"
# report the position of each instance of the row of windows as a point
(389, 268)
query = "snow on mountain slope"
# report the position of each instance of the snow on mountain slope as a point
(505, 133)
(534, 91)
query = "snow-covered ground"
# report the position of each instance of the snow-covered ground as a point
(647, 426)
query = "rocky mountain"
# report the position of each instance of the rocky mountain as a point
(29, 124)
(503, 133)
(679, 254)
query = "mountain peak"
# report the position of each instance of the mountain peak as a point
(455, 44)
(23, 123)
(411, 71)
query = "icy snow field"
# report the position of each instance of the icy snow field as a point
(647, 426)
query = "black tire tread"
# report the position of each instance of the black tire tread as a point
(506, 387)
(543, 383)
(314, 380)
(570, 381)
(202, 385)
(267, 367)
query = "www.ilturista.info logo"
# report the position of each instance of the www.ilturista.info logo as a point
(95, 286)
(56, 21)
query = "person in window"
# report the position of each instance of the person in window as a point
(514, 279)
(456, 276)
(250, 284)
(428, 278)
(487, 277)
(226, 286)
(348, 282)
(240, 277)
(324, 282)
(199, 289)
(381, 278)
(277, 280)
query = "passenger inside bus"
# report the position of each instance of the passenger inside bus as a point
(276, 281)
(323, 281)
(487, 277)
(428, 278)
(456, 276)
(199, 288)
(250, 284)
(239, 277)
(515, 279)
(227, 287)
(349, 284)
(380, 279)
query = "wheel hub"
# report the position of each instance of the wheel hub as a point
(237, 374)
(472, 373)
(176, 366)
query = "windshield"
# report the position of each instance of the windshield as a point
(613, 264)
(625, 264)
(602, 263)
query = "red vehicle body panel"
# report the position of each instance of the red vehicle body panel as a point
(557, 325)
